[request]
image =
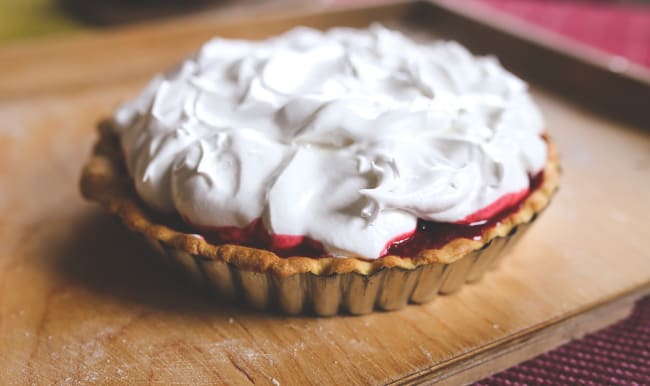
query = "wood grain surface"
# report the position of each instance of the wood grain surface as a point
(83, 301)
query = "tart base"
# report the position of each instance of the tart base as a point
(352, 292)
(295, 285)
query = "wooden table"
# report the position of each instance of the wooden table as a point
(82, 301)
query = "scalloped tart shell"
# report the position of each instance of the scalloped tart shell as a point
(294, 285)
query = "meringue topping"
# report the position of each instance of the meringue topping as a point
(347, 136)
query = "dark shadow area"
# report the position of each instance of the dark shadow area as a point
(113, 12)
(106, 258)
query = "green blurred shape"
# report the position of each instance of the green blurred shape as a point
(21, 19)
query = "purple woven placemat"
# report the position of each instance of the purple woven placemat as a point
(616, 355)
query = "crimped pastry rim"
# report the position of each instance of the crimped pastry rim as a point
(104, 180)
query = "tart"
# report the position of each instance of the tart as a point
(338, 171)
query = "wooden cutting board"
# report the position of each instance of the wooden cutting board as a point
(82, 301)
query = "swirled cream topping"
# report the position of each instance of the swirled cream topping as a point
(347, 136)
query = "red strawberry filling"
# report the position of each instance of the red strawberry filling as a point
(427, 235)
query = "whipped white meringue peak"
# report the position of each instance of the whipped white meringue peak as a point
(346, 136)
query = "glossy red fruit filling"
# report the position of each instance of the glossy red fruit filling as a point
(255, 235)
(427, 235)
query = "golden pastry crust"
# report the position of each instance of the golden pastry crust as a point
(105, 180)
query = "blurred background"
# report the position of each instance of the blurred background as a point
(621, 28)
